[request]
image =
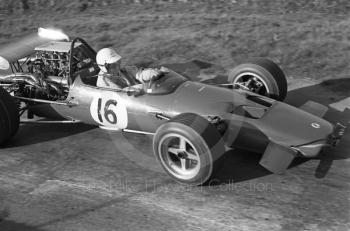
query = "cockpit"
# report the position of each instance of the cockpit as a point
(166, 84)
(83, 64)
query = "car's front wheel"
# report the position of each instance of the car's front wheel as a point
(261, 76)
(189, 148)
(9, 116)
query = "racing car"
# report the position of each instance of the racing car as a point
(193, 124)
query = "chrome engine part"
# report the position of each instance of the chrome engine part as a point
(53, 63)
(35, 86)
(44, 76)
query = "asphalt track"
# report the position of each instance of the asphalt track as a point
(77, 177)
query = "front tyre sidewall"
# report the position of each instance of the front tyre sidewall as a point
(206, 160)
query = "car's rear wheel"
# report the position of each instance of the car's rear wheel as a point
(9, 116)
(261, 76)
(189, 148)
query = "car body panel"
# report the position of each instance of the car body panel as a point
(57, 46)
(137, 111)
(281, 123)
(287, 125)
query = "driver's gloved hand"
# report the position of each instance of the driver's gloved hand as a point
(147, 75)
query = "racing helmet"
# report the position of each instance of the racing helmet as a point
(107, 56)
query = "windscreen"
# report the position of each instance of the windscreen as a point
(83, 62)
(167, 83)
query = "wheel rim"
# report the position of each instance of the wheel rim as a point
(251, 82)
(179, 156)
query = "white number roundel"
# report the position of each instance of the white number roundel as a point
(109, 110)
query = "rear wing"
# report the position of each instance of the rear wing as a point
(24, 47)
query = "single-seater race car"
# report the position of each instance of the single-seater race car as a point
(193, 124)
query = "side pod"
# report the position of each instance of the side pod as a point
(277, 158)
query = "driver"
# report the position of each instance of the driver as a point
(112, 75)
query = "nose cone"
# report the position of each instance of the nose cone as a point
(292, 126)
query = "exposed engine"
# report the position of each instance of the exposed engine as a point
(52, 63)
(44, 76)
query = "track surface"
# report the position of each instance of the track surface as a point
(76, 177)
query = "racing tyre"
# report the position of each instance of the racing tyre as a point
(261, 76)
(9, 116)
(189, 148)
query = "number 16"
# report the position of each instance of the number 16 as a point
(107, 112)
